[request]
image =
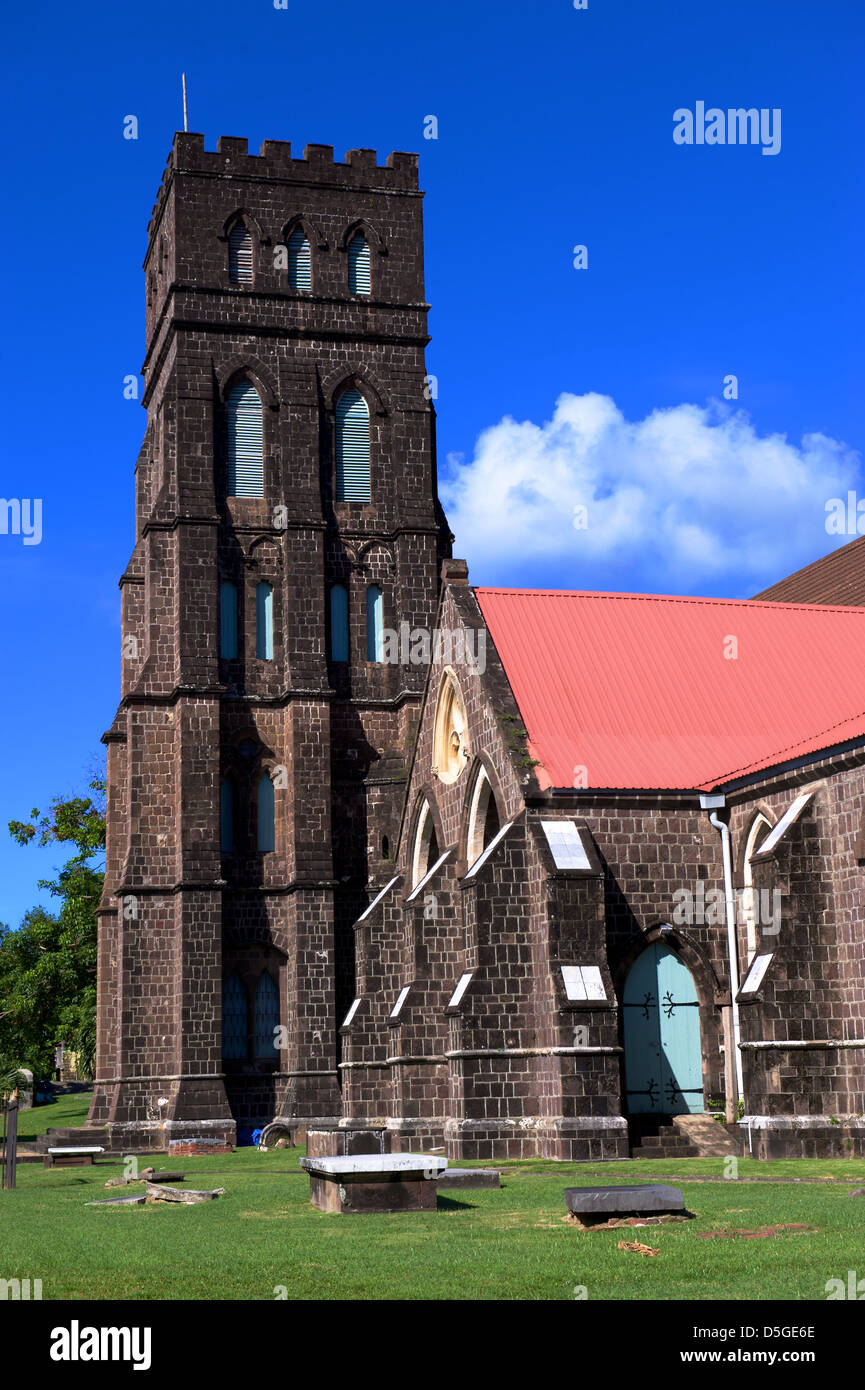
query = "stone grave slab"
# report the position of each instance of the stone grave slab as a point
(374, 1182)
(469, 1178)
(592, 1204)
(69, 1157)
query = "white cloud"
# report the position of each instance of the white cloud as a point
(689, 499)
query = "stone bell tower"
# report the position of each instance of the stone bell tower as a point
(286, 513)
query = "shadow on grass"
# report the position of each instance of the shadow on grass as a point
(451, 1204)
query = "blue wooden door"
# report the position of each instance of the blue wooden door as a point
(663, 1056)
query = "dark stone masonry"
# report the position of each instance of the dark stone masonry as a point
(376, 968)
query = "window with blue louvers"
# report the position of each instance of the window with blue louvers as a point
(240, 255)
(359, 266)
(374, 624)
(228, 620)
(264, 622)
(245, 441)
(352, 448)
(299, 261)
(235, 1020)
(266, 1016)
(338, 623)
(266, 815)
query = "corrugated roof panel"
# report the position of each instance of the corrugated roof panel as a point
(647, 691)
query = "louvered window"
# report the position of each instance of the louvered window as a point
(235, 1020)
(359, 266)
(299, 261)
(227, 620)
(240, 256)
(339, 623)
(374, 624)
(266, 815)
(264, 622)
(226, 816)
(352, 448)
(245, 441)
(266, 1016)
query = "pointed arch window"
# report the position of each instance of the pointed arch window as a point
(374, 624)
(266, 1006)
(240, 255)
(750, 896)
(450, 730)
(483, 818)
(228, 620)
(235, 1020)
(299, 261)
(266, 839)
(359, 265)
(245, 428)
(338, 622)
(226, 816)
(352, 448)
(264, 622)
(426, 846)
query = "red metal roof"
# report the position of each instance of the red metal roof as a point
(636, 688)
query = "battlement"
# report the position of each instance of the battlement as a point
(359, 170)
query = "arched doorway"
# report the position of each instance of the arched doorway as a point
(663, 1053)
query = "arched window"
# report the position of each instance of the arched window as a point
(239, 255)
(483, 818)
(374, 624)
(450, 732)
(299, 261)
(338, 622)
(750, 903)
(266, 1004)
(228, 620)
(352, 448)
(359, 265)
(235, 1020)
(226, 816)
(245, 422)
(266, 815)
(426, 847)
(264, 622)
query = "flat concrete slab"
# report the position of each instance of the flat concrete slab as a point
(81, 1149)
(637, 1198)
(137, 1201)
(469, 1178)
(374, 1182)
(366, 1167)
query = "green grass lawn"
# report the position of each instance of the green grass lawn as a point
(511, 1243)
(63, 1113)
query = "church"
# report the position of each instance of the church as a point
(587, 874)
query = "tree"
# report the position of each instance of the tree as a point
(48, 964)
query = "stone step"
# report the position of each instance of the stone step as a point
(711, 1139)
(665, 1151)
(84, 1137)
(660, 1140)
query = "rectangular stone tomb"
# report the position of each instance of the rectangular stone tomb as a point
(469, 1178)
(641, 1199)
(70, 1157)
(374, 1182)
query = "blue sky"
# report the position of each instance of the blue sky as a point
(555, 129)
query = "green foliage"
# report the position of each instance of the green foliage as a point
(515, 735)
(48, 964)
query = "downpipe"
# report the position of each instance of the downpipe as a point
(709, 803)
